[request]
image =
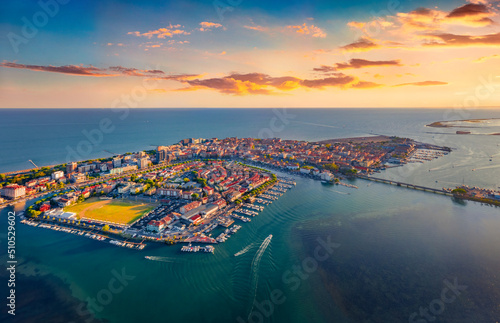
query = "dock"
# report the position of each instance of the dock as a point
(191, 248)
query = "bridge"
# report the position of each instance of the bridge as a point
(412, 186)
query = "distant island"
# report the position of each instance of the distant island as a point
(478, 123)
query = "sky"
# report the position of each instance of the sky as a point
(249, 53)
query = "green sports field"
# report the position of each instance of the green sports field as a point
(118, 211)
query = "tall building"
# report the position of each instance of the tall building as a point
(13, 191)
(144, 162)
(117, 162)
(78, 178)
(161, 154)
(70, 167)
(57, 175)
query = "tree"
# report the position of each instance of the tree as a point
(202, 181)
(195, 196)
(186, 180)
(351, 172)
(331, 167)
(105, 228)
(459, 191)
(33, 213)
(81, 199)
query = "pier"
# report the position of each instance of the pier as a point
(412, 186)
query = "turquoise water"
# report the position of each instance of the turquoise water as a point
(394, 247)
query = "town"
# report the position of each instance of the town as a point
(183, 192)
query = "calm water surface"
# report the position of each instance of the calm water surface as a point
(394, 247)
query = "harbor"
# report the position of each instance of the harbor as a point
(92, 234)
(227, 233)
(191, 248)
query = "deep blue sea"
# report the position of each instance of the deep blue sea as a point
(399, 255)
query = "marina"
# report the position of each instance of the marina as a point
(227, 233)
(87, 234)
(191, 248)
(241, 218)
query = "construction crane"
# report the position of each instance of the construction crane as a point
(33, 163)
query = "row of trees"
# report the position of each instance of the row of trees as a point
(258, 190)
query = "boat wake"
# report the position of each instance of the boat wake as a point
(244, 250)
(487, 167)
(344, 193)
(255, 268)
(162, 259)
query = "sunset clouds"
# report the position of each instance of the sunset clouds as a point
(259, 83)
(361, 45)
(360, 63)
(492, 40)
(161, 33)
(424, 83)
(430, 27)
(321, 55)
(207, 26)
(304, 29)
(112, 71)
(67, 69)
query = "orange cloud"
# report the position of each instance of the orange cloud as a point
(420, 19)
(425, 20)
(490, 40)
(66, 69)
(484, 58)
(259, 83)
(325, 69)
(424, 83)
(257, 28)
(366, 27)
(80, 70)
(360, 63)
(229, 85)
(363, 44)
(366, 85)
(356, 63)
(134, 71)
(161, 33)
(207, 26)
(476, 15)
(305, 29)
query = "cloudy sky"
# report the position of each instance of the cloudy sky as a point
(249, 53)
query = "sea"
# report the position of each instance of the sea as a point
(321, 253)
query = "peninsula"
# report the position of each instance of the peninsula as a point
(188, 191)
(466, 123)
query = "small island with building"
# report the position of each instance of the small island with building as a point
(193, 191)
